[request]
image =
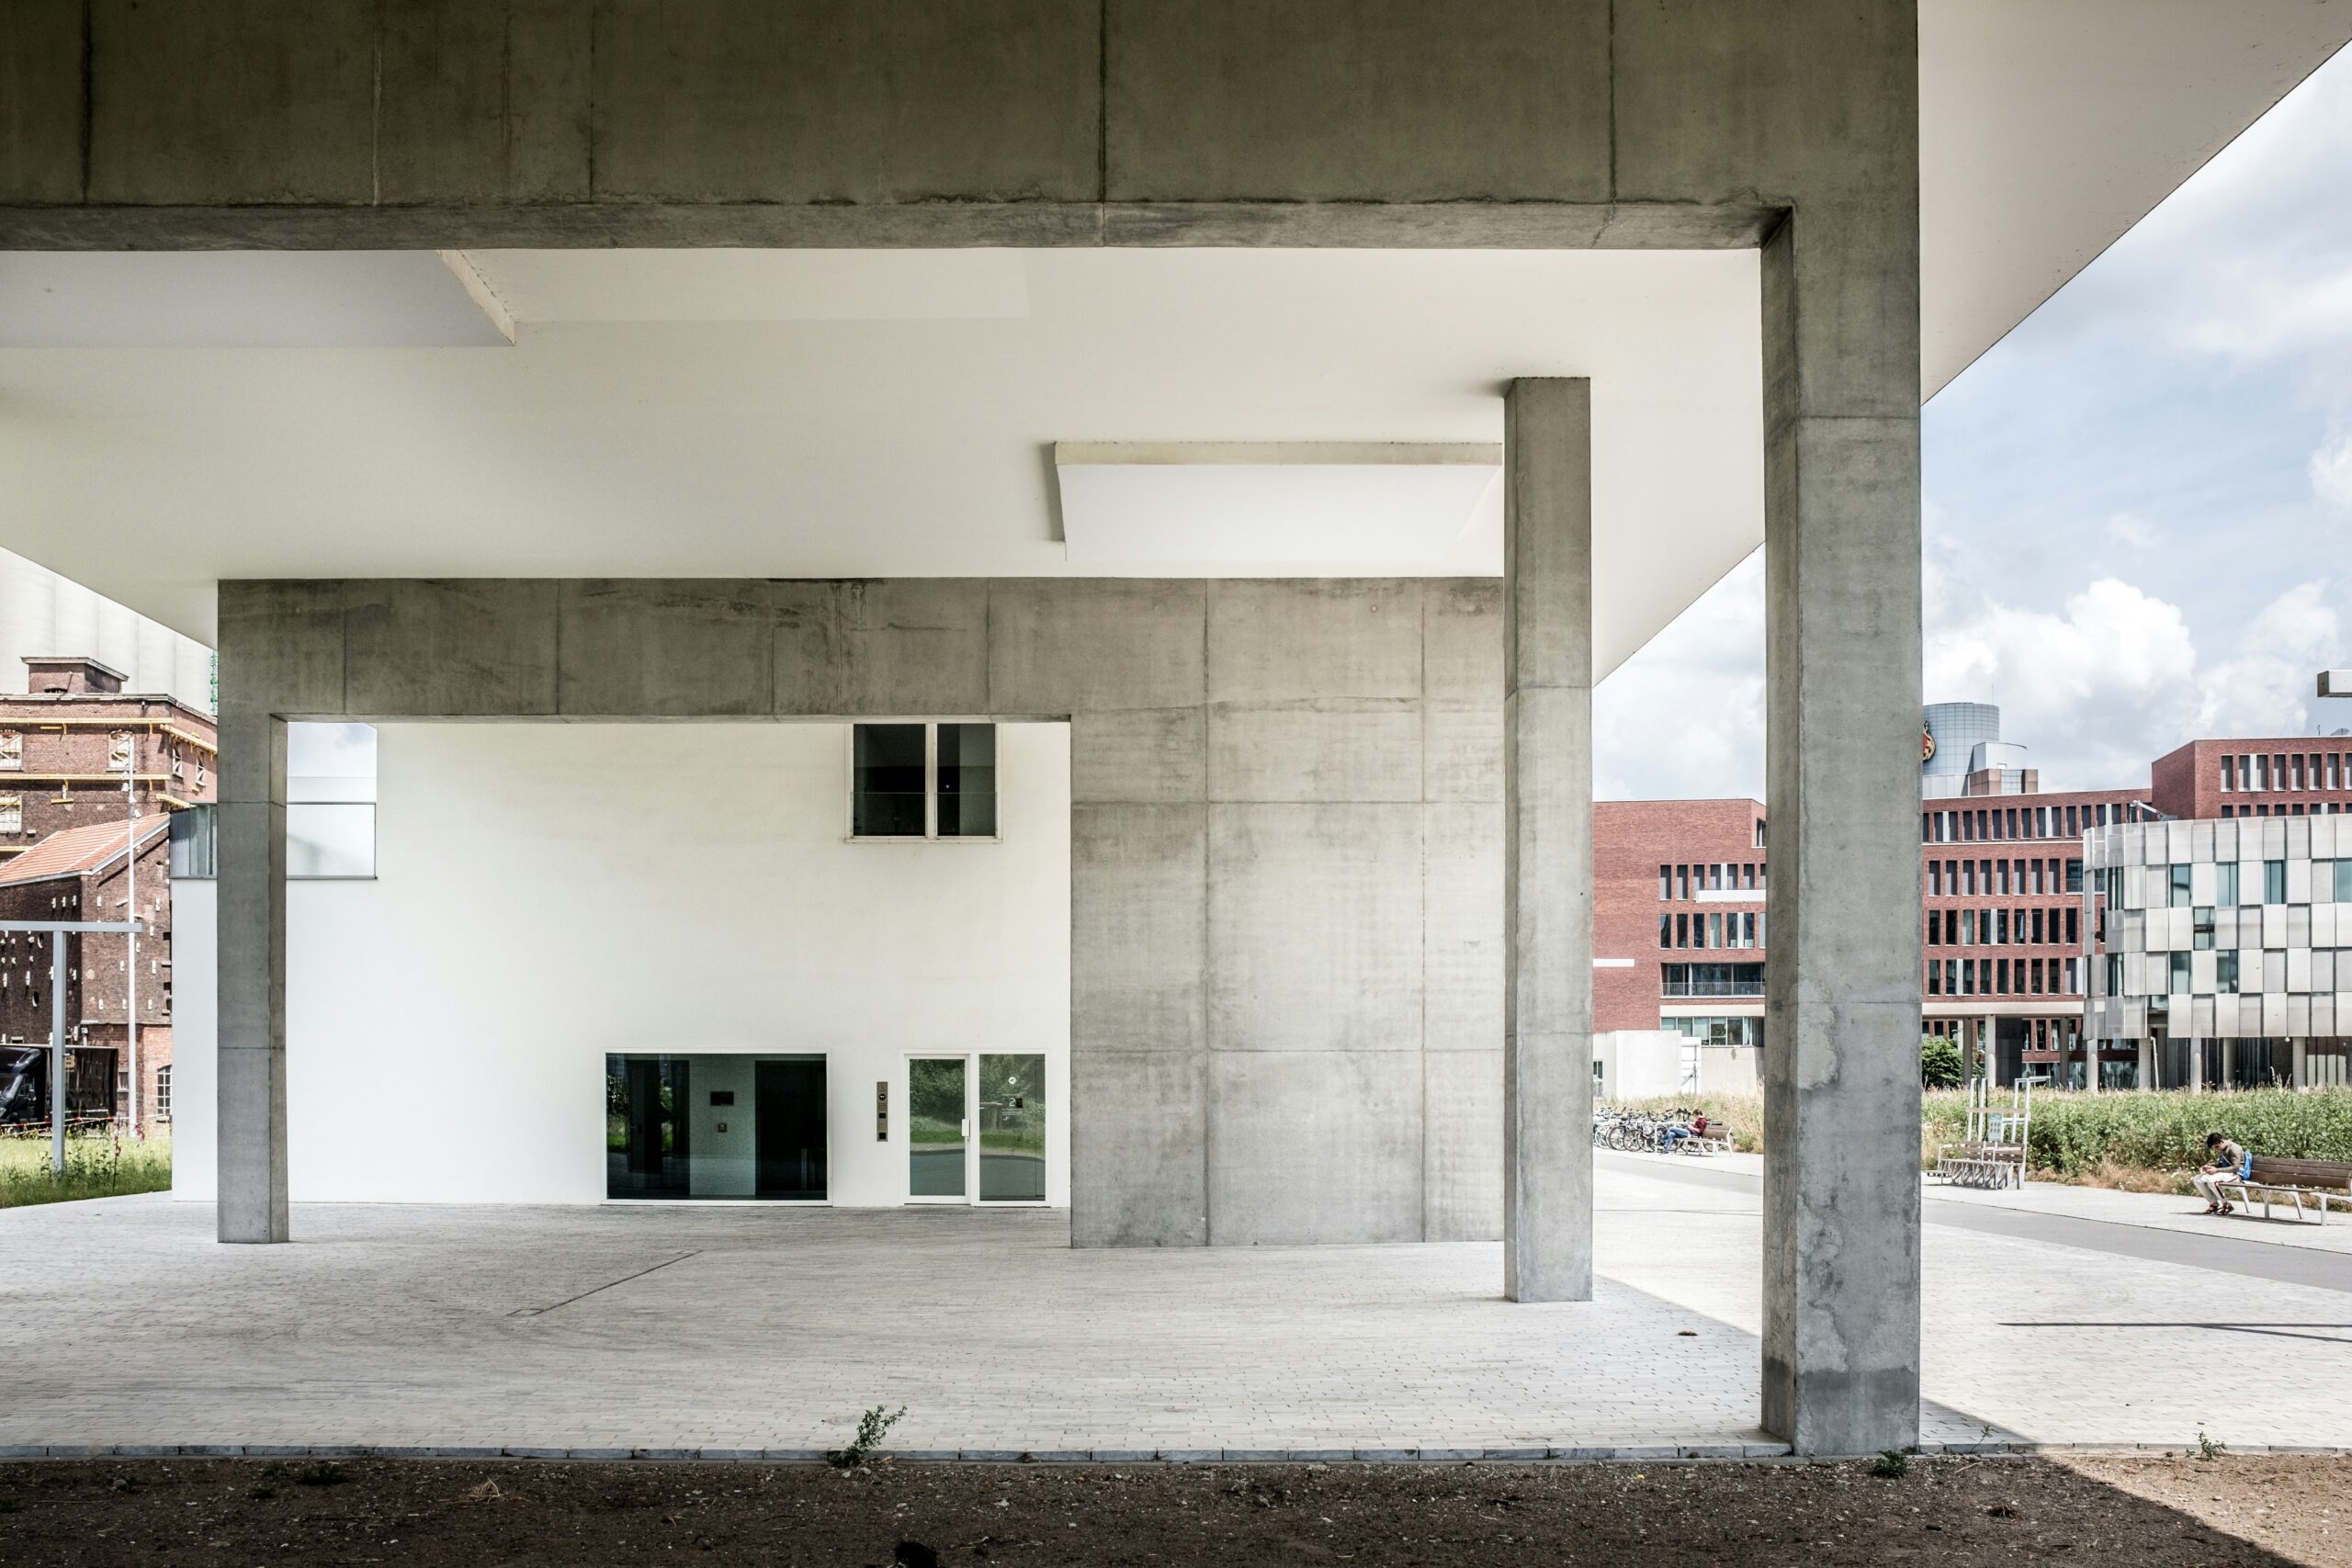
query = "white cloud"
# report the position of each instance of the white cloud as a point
(2128, 531)
(2331, 471)
(1684, 717)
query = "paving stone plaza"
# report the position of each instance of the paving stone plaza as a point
(728, 1329)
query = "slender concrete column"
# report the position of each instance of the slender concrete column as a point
(1547, 853)
(252, 958)
(1841, 1045)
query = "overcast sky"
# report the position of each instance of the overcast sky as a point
(2139, 505)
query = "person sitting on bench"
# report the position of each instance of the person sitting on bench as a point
(2230, 1162)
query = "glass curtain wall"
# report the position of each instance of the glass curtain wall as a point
(715, 1126)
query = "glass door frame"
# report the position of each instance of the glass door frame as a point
(971, 1198)
(971, 1166)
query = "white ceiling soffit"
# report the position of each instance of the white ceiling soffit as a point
(238, 299)
(891, 446)
(1176, 504)
(756, 285)
(2048, 127)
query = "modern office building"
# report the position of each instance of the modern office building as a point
(1292, 411)
(2224, 951)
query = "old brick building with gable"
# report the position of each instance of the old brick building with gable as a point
(65, 747)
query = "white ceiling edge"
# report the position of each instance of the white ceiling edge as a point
(2049, 128)
(1335, 504)
(136, 300)
(749, 285)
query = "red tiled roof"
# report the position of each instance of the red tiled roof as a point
(77, 851)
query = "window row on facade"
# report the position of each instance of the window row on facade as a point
(1680, 883)
(2003, 976)
(1737, 928)
(2031, 927)
(2002, 822)
(2283, 772)
(2002, 879)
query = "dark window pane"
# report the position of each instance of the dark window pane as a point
(887, 785)
(967, 780)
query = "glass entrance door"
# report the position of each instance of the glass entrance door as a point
(1013, 1129)
(976, 1128)
(938, 1128)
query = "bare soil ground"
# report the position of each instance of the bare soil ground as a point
(2147, 1513)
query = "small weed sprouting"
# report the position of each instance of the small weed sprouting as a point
(325, 1472)
(125, 1483)
(1892, 1464)
(11, 1506)
(2208, 1447)
(261, 1494)
(872, 1428)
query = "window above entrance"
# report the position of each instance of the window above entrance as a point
(922, 781)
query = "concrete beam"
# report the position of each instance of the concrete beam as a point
(1547, 845)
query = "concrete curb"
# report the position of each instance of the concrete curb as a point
(1692, 1453)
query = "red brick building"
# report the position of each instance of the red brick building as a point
(2001, 880)
(65, 747)
(65, 744)
(1678, 918)
(2304, 776)
(83, 873)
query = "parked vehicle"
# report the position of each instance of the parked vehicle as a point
(23, 1083)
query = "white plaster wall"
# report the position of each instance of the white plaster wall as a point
(546, 894)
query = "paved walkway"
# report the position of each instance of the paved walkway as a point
(739, 1330)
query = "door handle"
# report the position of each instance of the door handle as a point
(963, 1127)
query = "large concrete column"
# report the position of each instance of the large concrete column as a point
(1547, 827)
(1841, 1072)
(251, 1067)
(280, 644)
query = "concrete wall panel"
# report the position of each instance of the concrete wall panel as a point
(1335, 639)
(1462, 748)
(1315, 928)
(1138, 927)
(233, 101)
(1066, 646)
(642, 646)
(1314, 1146)
(1231, 99)
(457, 648)
(1138, 1148)
(1361, 750)
(1462, 1170)
(1157, 755)
(811, 101)
(915, 646)
(1461, 927)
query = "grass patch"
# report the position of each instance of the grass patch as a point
(97, 1164)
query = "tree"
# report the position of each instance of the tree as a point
(1940, 1065)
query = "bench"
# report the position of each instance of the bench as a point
(2318, 1182)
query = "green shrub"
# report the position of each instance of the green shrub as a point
(1940, 1064)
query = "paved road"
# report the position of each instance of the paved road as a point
(2245, 1256)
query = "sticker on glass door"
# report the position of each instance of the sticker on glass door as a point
(976, 1128)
